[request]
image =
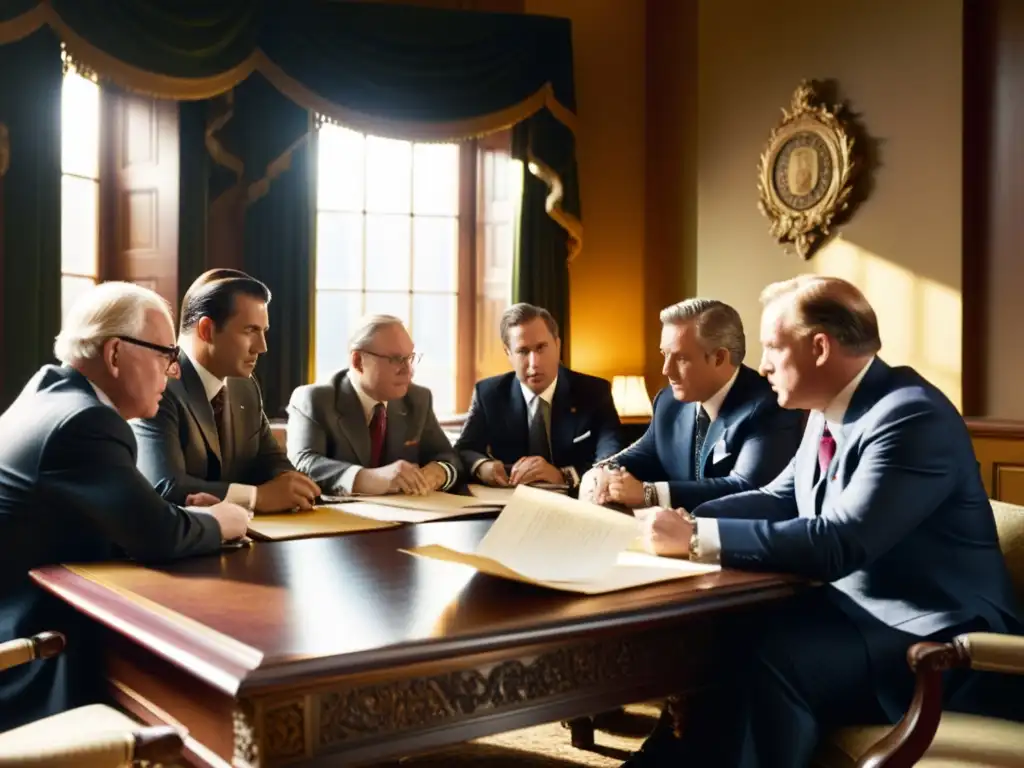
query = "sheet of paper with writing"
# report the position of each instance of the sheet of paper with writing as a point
(631, 569)
(395, 514)
(321, 521)
(437, 501)
(550, 537)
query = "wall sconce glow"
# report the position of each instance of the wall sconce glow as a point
(630, 396)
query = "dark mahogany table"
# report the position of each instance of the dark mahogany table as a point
(340, 651)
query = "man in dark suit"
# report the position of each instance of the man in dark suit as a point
(884, 503)
(70, 491)
(540, 423)
(717, 427)
(370, 429)
(211, 434)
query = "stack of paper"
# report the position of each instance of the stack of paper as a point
(562, 543)
(321, 521)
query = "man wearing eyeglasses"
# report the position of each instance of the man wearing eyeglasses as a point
(211, 435)
(70, 490)
(370, 430)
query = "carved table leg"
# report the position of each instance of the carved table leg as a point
(581, 731)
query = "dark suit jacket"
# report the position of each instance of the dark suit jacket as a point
(180, 450)
(747, 446)
(327, 431)
(584, 422)
(70, 493)
(900, 524)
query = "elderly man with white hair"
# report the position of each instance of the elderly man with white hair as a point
(70, 490)
(370, 429)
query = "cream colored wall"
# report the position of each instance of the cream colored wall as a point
(899, 64)
(607, 279)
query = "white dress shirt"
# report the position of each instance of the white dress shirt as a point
(348, 477)
(712, 407)
(238, 493)
(101, 394)
(707, 527)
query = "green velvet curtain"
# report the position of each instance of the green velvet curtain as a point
(30, 108)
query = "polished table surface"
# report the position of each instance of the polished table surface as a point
(282, 616)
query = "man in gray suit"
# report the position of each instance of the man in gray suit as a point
(211, 434)
(70, 491)
(370, 429)
(884, 503)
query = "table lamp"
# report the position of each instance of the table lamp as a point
(630, 396)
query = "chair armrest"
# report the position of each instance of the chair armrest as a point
(991, 652)
(21, 651)
(105, 749)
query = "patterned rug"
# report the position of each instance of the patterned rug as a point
(546, 746)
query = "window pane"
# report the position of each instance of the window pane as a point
(79, 226)
(388, 246)
(337, 314)
(339, 250)
(436, 179)
(71, 289)
(388, 175)
(433, 329)
(339, 169)
(80, 126)
(435, 253)
(388, 303)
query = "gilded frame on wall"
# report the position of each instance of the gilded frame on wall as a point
(806, 173)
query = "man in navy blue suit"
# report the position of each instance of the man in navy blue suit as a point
(541, 422)
(884, 503)
(717, 427)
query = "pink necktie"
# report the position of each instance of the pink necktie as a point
(826, 450)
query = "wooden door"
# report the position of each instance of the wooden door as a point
(139, 220)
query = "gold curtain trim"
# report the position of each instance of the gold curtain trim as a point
(217, 151)
(275, 168)
(13, 30)
(553, 205)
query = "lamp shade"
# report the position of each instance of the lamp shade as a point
(630, 395)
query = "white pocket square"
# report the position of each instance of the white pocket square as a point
(720, 453)
(584, 436)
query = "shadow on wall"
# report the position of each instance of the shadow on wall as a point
(919, 318)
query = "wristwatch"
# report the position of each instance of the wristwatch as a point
(650, 495)
(694, 538)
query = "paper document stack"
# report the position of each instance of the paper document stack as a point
(555, 541)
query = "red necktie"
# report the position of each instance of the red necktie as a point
(826, 450)
(378, 428)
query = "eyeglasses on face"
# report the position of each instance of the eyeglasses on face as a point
(171, 353)
(397, 360)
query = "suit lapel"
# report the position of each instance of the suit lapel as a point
(199, 406)
(809, 486)
(233, 426)
(352, 420)
(563, 421)
(394, 437)
(517, 419)
(685, 424)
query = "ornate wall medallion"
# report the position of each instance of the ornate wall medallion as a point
(806, 173)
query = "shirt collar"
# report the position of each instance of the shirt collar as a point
(714, 403)
(836, 410)
(365, 400)
(101, 394)
(211, 384)
(547, 395)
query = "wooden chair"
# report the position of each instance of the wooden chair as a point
(927, 736)
(93, 736)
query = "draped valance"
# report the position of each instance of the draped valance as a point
(407, 72)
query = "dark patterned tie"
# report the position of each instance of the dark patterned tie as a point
(699, 436)
(826, 450)
(378, 429)
(218, 403)
(539, 443)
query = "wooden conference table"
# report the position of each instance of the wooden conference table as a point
(343, 650)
